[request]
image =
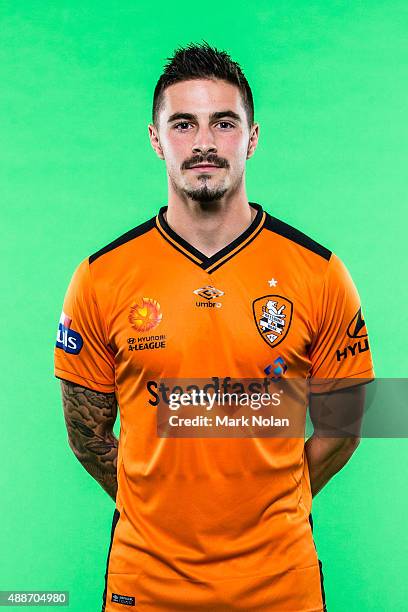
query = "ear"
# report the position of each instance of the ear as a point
(253, 140)
(154, 140)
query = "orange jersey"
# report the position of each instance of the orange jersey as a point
(210, 523)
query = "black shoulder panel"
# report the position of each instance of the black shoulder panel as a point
(133, 233)
(280, 227)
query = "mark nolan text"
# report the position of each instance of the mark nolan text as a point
(225, 421)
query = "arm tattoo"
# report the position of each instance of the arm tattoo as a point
(89, 418)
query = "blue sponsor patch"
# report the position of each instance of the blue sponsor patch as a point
(68, 340)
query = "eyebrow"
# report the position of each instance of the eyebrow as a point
(213, 116)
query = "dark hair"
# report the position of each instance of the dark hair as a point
(201, 61)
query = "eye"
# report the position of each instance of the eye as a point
(182, 123)
(225, 123)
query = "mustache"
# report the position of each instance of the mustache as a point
(210, 159)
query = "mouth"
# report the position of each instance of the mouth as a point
(203, 167)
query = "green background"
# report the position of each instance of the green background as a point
(76, 81)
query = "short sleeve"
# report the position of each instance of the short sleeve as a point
(82, 354)
(340, 349)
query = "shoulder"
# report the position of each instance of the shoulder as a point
(297, 237)
(126, 238)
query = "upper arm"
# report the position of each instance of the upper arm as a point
(82, 352)
(89, 417)
(340, 350)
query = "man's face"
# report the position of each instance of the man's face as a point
(204, 121)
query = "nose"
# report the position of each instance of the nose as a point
(204, 142)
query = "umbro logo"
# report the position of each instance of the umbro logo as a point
(209, 293)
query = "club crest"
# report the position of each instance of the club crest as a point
(273, 316)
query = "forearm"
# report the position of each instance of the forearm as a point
(90, 417)
(99, 457)
(326, 456)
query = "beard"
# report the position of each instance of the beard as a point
(205, 193)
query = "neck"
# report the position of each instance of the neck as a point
(209, 227)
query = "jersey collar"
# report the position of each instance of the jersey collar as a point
(210, 264)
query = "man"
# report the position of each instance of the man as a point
(212, 288)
